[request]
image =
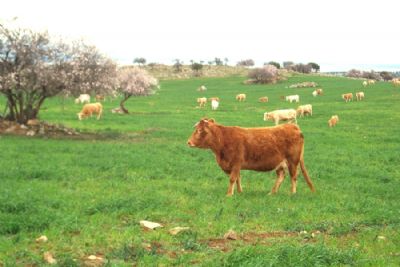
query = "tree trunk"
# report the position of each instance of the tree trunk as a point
(121, 104)
(21, 114)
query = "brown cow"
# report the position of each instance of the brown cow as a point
(347, 97)
(263, 99)
(100, 98)
(258, 149)
(333, 120)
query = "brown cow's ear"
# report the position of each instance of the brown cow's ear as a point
(211, 120)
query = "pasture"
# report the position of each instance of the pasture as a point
(88, 196)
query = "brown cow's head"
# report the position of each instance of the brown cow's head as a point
(202, 136)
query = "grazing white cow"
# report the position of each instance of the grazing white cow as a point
(241, 97)
(304, 109)
(292, 98)
(82, 99)
(281, 115)
(314, 93)
(365, 83)
(202, 88)
(360, 96)
(214, 104)
(202, 101)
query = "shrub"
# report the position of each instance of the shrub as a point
(314, 66)
(372, 75)
(267, 74)
(386, 76)
(246, 63)
(274, 63)
(197, 67)
(287, 64)
(303, 68)
(354, 73)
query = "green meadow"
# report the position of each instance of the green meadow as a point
(88, 195)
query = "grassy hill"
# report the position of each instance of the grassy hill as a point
(88, 196)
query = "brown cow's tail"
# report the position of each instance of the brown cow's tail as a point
(304, 171)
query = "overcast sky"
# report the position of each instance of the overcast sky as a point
(335, 34)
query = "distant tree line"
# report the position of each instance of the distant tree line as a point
(373, 75)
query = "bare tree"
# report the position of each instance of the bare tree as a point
(134, 81)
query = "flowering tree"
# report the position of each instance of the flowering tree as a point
(33, 67)
(354, 73)
(133, 81)
(267, 74)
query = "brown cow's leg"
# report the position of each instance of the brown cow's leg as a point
(239, 185)
(281, 176)
(233, 178)
(293, 176)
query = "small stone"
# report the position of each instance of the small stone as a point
(95, 258)
(150, 225)
(41, 129)
(42, 239)
(177, 230)
(48, 257)
(381, 237)
(303, 232)
(231, 235)
(23, 126)
(11, 129)
(33, 122)
(30, 133)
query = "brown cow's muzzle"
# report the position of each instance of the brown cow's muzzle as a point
(190, 143)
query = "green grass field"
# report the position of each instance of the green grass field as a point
(88, 196)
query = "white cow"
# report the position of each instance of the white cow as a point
(281, 115)
(304, 109)
(214, 104)
(292, 98)
(82, 99)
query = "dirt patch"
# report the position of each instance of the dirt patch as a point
(251, 237)
(225, 245)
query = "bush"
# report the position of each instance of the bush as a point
(287, 64)
(354, 73)
(386, 76)
(372, 75)
(246, 63)
(274, 63)
(314, 66)
(267, 74)
(197, 67)
(303, 68)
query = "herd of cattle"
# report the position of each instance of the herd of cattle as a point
(289, 115)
